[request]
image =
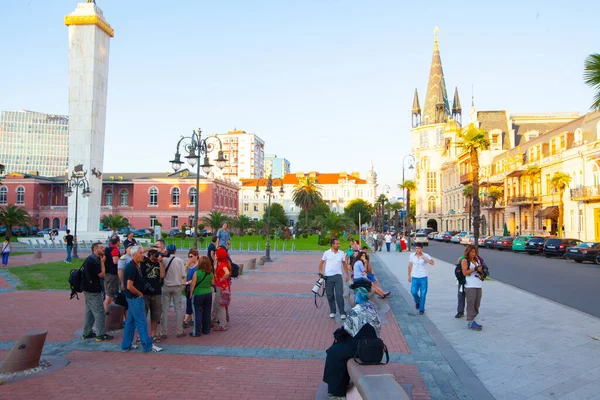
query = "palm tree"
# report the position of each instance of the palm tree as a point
(472, 141)
(532, 172)
(259, 225)
(12, 216)
(493, 195)
(591, 76)
(335, 223)
(389, 207)
(242, 222)
(115, 222)
(215, 220)
(396, 207)
(468, 193)
(409, 186)
(560, 181)
(307, 195)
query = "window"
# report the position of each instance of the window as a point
(175, 196)
(192, 196)
(431, 181)
(3, 194)
(256, 207)
(153, 221)
(580, 220)
(153, 196)
(424, 140)
(245, 207)
(563, 142)
(20, 195)
(124, 198)
(572, 220)
(174, 221)
(108, 198)
(264, 207)
(431, 205)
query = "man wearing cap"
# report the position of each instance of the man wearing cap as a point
(417, 275)
(123, 261)
(171, 290)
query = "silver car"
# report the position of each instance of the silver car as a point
(421, 238)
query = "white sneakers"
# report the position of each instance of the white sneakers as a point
(343, 317)
(155, 349)
(332, 315)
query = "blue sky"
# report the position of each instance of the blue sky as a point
(327, 84)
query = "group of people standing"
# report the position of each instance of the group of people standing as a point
(149, 281)
(393, 241)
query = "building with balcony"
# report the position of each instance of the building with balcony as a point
(34, 142)
(245, 154)
(141, 198)
(277, 167)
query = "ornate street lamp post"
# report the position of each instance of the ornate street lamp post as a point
(386, 189)
(411, 165)
(197, 147)
(76, 181)
(269, 192)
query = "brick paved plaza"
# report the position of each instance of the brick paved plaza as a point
(274, 349)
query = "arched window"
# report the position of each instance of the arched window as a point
(124, 198)
(20, 195)
(153, 196)
(3, 194)
(46, 223)
(431, 205)
(175, 196)
(55, 223)
(108, 198)
(578, 137)
(192, 193)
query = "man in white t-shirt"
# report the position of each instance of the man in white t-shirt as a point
(332, 267)
(417, 275)
(388, 241)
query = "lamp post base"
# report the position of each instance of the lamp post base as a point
(268, 252)
(75, 256)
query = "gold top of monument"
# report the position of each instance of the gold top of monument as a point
(89, 14)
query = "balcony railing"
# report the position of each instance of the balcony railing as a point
(586, 193)
(53, 208)
(488, 203)
(466, 178)
(523, 200)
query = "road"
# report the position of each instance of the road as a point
(564, 281)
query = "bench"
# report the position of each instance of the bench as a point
(261, 260)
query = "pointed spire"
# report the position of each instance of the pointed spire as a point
(416, 105)
(456, 104)
(436, 88)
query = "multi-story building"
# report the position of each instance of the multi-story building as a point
(276, 167)
(337, 190)
(34, 142)
(141, 198)
(245, 154)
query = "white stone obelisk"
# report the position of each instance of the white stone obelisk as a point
(89, 44)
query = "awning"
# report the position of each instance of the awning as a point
(548, 213)
(516, 173)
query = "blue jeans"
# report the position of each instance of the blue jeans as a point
(418, 289)
(387, 246)
(136, 318)
(5, 258)
(69, 250)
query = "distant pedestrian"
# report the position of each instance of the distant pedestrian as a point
(334, 269)
(69, 242)
(472, 268)
(379, 241)
(223, 237)
(111, 279)
(130, 241)
(417, 276)
(388, 241)
(93, 271)
(136, 316)
(6, 249)
(210, 251)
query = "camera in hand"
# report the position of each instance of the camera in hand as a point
(318, 285)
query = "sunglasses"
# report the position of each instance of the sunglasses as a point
(191, 255)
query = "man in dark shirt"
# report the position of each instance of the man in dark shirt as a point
(130, 241)
(134, 292)
(69, 242)
(210, 252)
(153, 271)
(93, 271)
(111, 280)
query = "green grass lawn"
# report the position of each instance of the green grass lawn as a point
(21, 253)
(52, 275)
(310, 243)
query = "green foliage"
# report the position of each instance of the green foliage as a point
(12, 215)
(114, 222)
(306, 195)
(164, 235)
(591, 77)
(356, 207)
(52, 275)
(324, 240)
(215, 220)
(319, 210)
(182, 234)
(335, 223)
(305, 235)
(278, 217)
(242, 222)
(560, 181)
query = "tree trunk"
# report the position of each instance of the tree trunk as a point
(470, 204)
(561, 216)
(494, 218)
(476, 201)
(407, 210)
(532, 207)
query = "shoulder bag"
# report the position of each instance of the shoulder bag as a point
(371, 351)
(162, 281)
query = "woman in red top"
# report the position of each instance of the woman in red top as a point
(222, 274)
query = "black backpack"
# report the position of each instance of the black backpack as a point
(75, 282)
(235, 270)
(460, 277)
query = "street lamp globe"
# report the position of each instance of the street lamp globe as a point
(192, 158)
(281, 192)
(206, 166)
(221, 161)
(69, 191)
(86, 192)
(176, 162)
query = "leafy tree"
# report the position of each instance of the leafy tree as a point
(356, 207)
(532, 173)
(591, 76)
(320, 209)
(410, 187)
(114, 222)
(472, 141)
(560, 181)
(242, 222)
(278, 217)
(468, 193)
(335, 223)
(258, 225)
(215, 220)
(494, 195)
(12, 215)
(306, 195)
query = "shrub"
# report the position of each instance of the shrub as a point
(305, 235)
(324, 240)
(272, 237)
(164, 235)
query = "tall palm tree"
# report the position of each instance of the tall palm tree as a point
(591, 76)
(242, 222)
(396, 207)
(472, 141)
(215, 220)
(307, 195)
(410, 187)
(532, 173)
(12, 215)
(115, 222)
(335, 223)
(493, 195)
(560, 181)
(468, 193)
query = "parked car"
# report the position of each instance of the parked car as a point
(446, 237)
(142, 233)
(587, 251)
(558, 246)
(490, 242)
(504, 243)
(421, 238)
(431, 235)
(456, 238)
(174, 232)
(481, 241)
(467, 239)
(439, 237)
(520, 243)
(2, 231)
(125, 231)
(535, 244)
(45, 231)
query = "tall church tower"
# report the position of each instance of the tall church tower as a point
(437, 108)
